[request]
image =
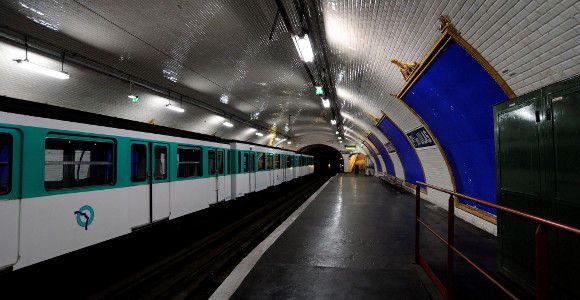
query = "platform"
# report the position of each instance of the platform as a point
(355, 240)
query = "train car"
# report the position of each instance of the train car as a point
(70, 179)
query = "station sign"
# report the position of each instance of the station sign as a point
(420, 138)
(390, 147)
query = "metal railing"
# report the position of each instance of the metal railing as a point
(541, 244)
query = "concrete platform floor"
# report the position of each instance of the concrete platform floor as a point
(355, 240)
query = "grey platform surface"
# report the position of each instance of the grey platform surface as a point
(356, 241)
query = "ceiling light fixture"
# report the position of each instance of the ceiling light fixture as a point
(175, 108)
(325, 103)
(259, 134)
(228, 124)
(304, 47)
(26, 64)
(225, 99)
(333, 122)
(337, 132)
(277, 139)
(339, 138)
(289, 142)
(340, 142)
(134, 98)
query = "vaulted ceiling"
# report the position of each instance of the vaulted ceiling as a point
(200, 53)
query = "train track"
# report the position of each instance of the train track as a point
(195, 270)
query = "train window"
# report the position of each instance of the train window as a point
(5, 165)
(269, 162)
(277, 161)
(78, 163)
(252, 162)
(188, 162)
(138, 162)
(160, 160)
(261, 161)
(211, 162)
(227, 162)
(240, 162)
(220, 162)
(288, 161)
(246, 163)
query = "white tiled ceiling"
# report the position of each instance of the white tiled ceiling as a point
(206, 49)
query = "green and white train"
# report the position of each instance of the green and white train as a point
(70, 179)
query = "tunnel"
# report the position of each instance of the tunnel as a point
(327, 160)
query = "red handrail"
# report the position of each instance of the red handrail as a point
(447, 290)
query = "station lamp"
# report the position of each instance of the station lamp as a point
(333, 121)
(228, 124)
(289, 142)
(325, 103)
(225, 99)
(174, 108)
(259, 134)
(26, 64)
(304, 47)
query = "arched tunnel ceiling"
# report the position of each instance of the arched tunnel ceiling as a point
(208, 49)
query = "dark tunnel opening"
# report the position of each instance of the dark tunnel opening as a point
(327, 160)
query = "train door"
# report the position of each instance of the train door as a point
(270, 168)
(10, 161)
(252, 171)
(220, 175)
(159, 201)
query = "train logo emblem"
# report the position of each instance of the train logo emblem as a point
(85, 216)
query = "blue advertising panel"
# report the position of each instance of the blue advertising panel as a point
(455, 97)
(406, 152)
(383, 152)
(374, 155)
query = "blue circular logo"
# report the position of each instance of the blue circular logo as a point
(85, 216)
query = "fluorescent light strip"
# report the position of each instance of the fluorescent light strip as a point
(25, 63)
(228, 124)
(304, 48)
(259, 134)
(174, 108)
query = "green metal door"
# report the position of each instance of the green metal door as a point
(519, 180)
(565, 179)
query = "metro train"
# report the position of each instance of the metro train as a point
(71, 179)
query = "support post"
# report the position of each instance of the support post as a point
(541, 263)
(417, 217)
(451, 243)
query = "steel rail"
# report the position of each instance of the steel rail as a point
(541, 243)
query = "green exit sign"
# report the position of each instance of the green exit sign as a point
(319, 90)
